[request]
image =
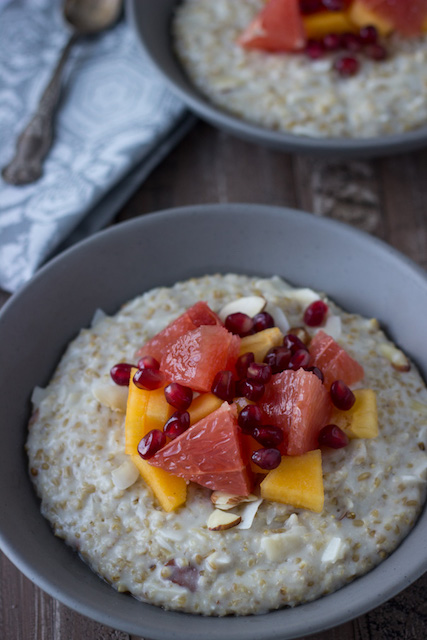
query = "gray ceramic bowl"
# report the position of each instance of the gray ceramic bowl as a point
(358, 271)
(151, 21)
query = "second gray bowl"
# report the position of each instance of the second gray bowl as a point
(152, 20)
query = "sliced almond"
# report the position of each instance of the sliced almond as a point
(373, 324)
(125, 476)
(250, 305)
(301, 333)
(225, 501)
(111, 395)
(304, 296)
(221, 520)
(396, 357)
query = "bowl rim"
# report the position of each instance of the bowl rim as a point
(374, 146)
(385, 577)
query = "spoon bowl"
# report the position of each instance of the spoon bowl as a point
(91, 16)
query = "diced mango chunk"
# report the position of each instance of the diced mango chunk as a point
(169, 490)
(145, 410)
(361, 421)
(261, 342)
(297, 481)
(202, 406)
(158, 410)
(148, 410)
(362, 16)
(135, 416)
(318, 25)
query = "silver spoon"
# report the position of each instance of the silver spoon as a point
(86, 17)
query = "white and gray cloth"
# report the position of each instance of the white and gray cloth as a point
(116, 121)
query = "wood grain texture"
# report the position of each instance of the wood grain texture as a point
(386, 198)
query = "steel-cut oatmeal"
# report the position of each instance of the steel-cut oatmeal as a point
(294, 92)
(278, 554)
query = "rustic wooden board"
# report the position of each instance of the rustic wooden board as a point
(384, 197)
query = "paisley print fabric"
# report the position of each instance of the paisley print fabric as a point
(115, 121)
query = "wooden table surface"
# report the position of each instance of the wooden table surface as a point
(385, 197)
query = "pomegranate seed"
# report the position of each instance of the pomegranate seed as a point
(376, 52)
(347, 66)
(342, 396)
(148, 379)
(177, 424)
(263, 321)
(259, 372)
(267, 458)
(243, 362)
(278, 359)
(316, 313)
(240, 324)
(249, 418)
(351, 42)
(316, 372)
(334, 5)
(314, 49)
(120, 373)
(310, 6)
(178, 396)
(148, 362)
(293, 343)
(332, 436)
(224, 386)
(268, 435)
(300, 358)
(368, 35)
(252, 390)
(151, 443)
(332, 42)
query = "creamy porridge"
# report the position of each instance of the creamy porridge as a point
(278, 555)
(291, 92)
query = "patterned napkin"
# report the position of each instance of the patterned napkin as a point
(116, 121)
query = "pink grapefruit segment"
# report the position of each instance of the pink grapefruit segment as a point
(407, 16)
(334, 361)
(196, 356)
(210, 453)
(278, 27)
(298, 403)
(198, 315)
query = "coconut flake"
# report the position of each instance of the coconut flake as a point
(280, 319)
(97, 317)
(332, 327)
(334, 550)
(248, 514)
(125, 476)
(38, 395)
(279, 545)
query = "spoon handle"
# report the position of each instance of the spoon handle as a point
(36, 139)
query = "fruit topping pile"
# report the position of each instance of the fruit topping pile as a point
(234, 404)
(347, 29)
